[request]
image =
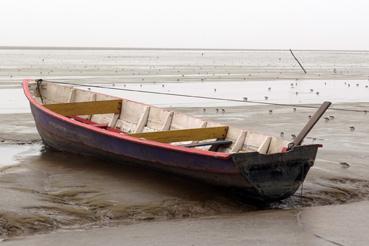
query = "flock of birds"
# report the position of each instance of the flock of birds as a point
(270, 111)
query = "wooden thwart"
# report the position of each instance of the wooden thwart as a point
(194, 134)
(86, 108)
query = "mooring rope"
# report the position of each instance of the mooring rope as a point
(205, 97)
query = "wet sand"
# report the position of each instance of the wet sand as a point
(48, 190)
(329, 225)
(49, 196)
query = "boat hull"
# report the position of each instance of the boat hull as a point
(261, 177)
(265, 177)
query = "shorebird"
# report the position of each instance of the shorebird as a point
(293, 136)
(269, 88)
(245, 98)
(311, 90)
(344, 164)
(215, 89)
(317, 93)
(326, 118)
(294, 109)
(331, 117)
(366, 86)
(310, 116)
(266, 98)
(281, 134)
(352, 128)
(297, 92)
(270, 111)
(217, 109)
(204, 110)
(223, 110)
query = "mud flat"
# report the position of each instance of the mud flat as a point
(18, 129)
(329, 225)
(48, 191)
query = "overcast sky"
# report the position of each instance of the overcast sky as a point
(264, 24)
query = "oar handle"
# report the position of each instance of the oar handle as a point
(309, 125)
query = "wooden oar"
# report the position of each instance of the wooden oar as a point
(309, 125)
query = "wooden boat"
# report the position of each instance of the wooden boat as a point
(85, 122)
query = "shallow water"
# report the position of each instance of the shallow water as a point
(281, 91)
(177, 65)
(11, 154)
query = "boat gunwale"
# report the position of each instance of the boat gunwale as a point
(126, 137)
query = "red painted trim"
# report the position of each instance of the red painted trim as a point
(220, 155)
(89, 122)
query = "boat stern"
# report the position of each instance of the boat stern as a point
(276, 176)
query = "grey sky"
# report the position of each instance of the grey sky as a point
(274, 24)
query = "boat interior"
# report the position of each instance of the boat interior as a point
(148, 122)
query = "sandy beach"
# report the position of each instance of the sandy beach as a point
(50, 196)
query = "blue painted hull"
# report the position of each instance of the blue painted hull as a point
(264, 185)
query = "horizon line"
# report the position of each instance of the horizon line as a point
(157, 48)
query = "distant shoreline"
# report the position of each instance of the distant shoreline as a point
(163, 49)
